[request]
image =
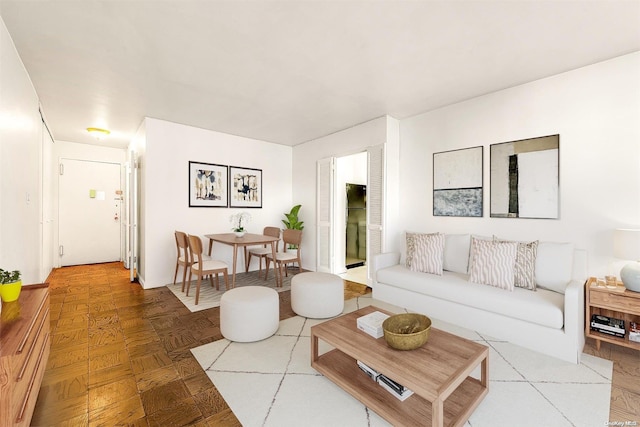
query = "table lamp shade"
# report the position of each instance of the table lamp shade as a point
(626, 245)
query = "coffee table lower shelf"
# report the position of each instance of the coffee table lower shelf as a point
(343, 370)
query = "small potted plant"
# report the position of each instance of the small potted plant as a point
(10, 285)
(239, 220)
(293, 222)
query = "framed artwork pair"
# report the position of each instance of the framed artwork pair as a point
(524, 174)
(220, 186)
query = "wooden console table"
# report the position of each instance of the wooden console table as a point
(620, 303)
(24, 350)
(437, 373)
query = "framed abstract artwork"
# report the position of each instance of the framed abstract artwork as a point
(208, 185)
(245, 187)
(458, 182)
(525, 178)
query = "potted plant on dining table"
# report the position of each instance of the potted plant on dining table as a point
(239, 221)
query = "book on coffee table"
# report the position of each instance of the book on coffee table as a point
(372, 323)
(372, 373)
(398, 390)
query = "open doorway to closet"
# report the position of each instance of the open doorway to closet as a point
(356, 232)
(333, 174)
(351, 216)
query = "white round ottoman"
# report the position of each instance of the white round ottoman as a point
(317, 295)
(249, 313)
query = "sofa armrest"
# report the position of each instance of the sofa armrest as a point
(574, 309)
(385, 260)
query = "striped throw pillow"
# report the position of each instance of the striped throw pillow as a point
(494, 263)
(425, 252)
(525, 267)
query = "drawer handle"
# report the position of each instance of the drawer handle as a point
(33, 346)
(23, 408)
(31, 325)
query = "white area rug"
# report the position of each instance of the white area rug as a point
(210, 298)
(271, 382)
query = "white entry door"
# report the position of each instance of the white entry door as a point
(90, 203)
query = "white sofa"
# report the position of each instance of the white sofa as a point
(545, 320)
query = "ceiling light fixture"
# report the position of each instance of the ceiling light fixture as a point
(98, 133)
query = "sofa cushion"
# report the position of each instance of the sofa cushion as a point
(456, 252)
(493, 263)
(524, 270)
(424, 252)
(554, 265)
(543, 307)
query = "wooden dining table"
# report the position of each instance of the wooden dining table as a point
(247, 240)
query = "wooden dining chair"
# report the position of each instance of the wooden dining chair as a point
(183, 258)
(202, 267)
(261, 252)
(289, 237)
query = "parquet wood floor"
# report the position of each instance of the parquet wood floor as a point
(120, 356)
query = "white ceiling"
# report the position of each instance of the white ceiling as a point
(292, 71)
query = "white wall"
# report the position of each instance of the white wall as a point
(77, 151)
(164, 172)
(352, 169)
(20, 166)
(596, 111)
(349, 141)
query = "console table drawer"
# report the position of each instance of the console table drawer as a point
(612, 301)
(25, 402)
(26, 363)
(24, 354)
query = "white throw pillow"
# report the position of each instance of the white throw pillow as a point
(456, 253)
(493, 263)
(424, 252)
(554, 265)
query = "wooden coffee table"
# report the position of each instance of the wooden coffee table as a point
(437, 373)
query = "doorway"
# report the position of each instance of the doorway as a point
(356, 226)
(350, 217)
(332, 176)
(90, 201)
